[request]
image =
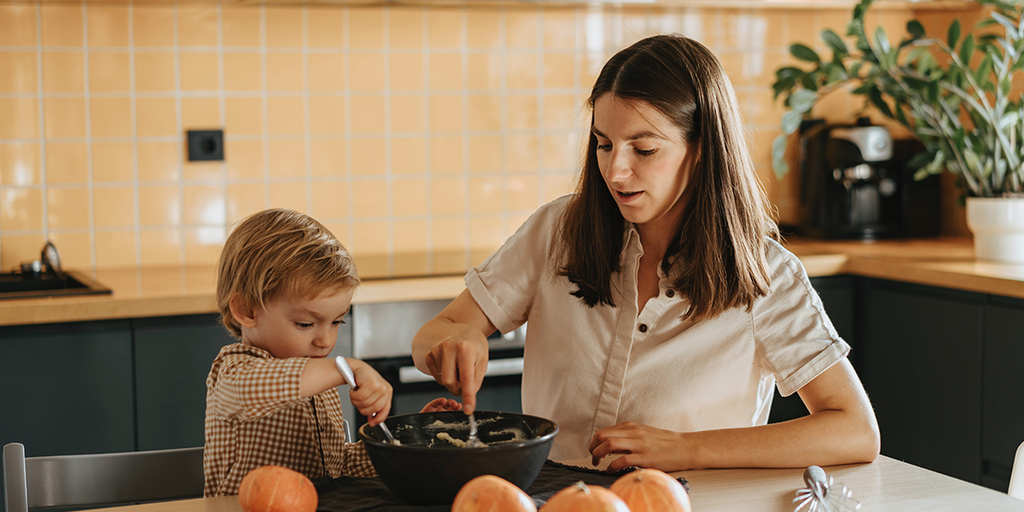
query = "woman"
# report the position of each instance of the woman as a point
(662, 309)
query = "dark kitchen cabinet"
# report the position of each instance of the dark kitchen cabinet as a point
(172, 359)
(67, 388)
(1002, 404)
(942, 370)
(837, 296)
(922, 368)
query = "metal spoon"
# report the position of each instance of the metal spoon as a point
(473, 441)
(346, 373)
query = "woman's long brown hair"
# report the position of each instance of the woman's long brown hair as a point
(717, 257)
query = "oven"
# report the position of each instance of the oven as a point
(382, 337)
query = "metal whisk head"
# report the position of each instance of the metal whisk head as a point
(823, 494)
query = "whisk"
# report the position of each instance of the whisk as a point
(823, 494)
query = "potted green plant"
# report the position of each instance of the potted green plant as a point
(961, 106)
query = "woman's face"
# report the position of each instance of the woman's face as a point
(643, 160)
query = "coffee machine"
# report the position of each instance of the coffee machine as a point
(855, 184)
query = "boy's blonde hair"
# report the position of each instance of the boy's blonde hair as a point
(279, 253)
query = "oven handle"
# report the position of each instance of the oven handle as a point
(495, 368)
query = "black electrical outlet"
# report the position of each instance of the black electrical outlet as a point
(205, 145)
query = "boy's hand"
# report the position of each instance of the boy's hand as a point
(442, 405)
(373, 397)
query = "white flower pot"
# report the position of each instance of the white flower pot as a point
(998, 226)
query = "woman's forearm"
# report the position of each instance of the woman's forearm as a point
(429, 335)
(827, 437)
(841, 429)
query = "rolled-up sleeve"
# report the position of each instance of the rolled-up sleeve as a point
(795, 339)
(505, 284)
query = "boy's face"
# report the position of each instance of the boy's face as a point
(298, 328)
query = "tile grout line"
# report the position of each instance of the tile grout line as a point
(223, 114)
(538, 93)
(136, 173)
(43, 162)
(467, 201)
(180, 143)
(89, 170)
(307, 139)
(389, 188)
(264, 106)
(503, 116)
(346, 66)
(427, 146)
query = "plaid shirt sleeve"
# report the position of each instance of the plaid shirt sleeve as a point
(246, 387)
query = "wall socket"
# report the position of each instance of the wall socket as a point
(205, 145)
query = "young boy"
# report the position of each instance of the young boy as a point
(284, 283)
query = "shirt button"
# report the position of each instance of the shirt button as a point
(643, 327)
(670, 293)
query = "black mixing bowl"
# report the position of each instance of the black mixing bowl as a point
(426, 470)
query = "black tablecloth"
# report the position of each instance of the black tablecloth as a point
(350, 494)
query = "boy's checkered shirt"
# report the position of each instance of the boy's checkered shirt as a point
(255, 417)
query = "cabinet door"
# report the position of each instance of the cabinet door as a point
(173, 357)
(836, 293)
(1002, 418)
(921, 366)
(67, 388)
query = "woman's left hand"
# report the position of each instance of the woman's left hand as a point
(441, 405)
(642, 445)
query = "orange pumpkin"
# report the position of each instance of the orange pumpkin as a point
(276, 489)
(652, 490)
(489, 493)
(585, 498)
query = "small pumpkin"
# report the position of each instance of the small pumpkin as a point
(489, 493)
(581, 497)
(277, 489)
(652, 490)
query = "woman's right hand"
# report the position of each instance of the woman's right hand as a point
(452, 348)
(458, 362)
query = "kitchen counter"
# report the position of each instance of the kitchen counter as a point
(148, 292)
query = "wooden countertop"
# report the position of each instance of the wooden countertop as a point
(886, 485)
(145, 292)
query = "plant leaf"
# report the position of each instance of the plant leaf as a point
(900, 116)
(882, 41)
(1009, 118)
(1011, 27)
(788, 72)
(915, 29)
(779, 163)
(954, 34)
(833, 41)
(803, 100)
(791, 122)
(875, 95)
(936, 164)
(803, 52)
(967, 50)
(919, 160)
(972, 161)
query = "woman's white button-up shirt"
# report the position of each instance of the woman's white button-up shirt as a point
(590, 368)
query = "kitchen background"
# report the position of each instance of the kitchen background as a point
(422, 136)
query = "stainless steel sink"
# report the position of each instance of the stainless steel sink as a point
(48, 284)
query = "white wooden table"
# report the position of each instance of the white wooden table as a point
(886, 485)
